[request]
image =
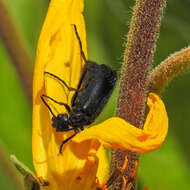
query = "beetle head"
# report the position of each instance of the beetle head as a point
(60, 122)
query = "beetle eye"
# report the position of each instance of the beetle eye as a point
(63, 117)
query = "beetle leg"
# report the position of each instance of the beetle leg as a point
(62, 81)
(80, 43)
(69, 138)
(79, 84)
(60, 103)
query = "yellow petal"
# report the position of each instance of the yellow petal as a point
(103, 166)
(58, 52)
(116, 133)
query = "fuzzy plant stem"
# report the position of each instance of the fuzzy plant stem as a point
(16, 48)
(168, 69)
(134, 81)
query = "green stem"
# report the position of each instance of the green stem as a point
(9, 170)
(30, 180)
(168, 69)
(16, 48)
(134, 79)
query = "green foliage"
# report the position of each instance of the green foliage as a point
(107, 24)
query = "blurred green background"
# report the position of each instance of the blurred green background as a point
(107, 24)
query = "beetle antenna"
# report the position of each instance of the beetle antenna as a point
(42, 97)
(80, 44)
(60, 103)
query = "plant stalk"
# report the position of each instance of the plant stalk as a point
(169, 69)
(134, 81)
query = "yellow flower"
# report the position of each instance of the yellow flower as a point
(83, 164)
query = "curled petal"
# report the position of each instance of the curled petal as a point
(116, 133)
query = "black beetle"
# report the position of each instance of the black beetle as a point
(93, 91)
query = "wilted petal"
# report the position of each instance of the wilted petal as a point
(116, 133)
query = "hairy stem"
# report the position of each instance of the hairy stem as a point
(134, 80)
(16, 48)
(168, 69)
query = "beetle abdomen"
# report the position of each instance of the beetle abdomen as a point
(96, 88)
